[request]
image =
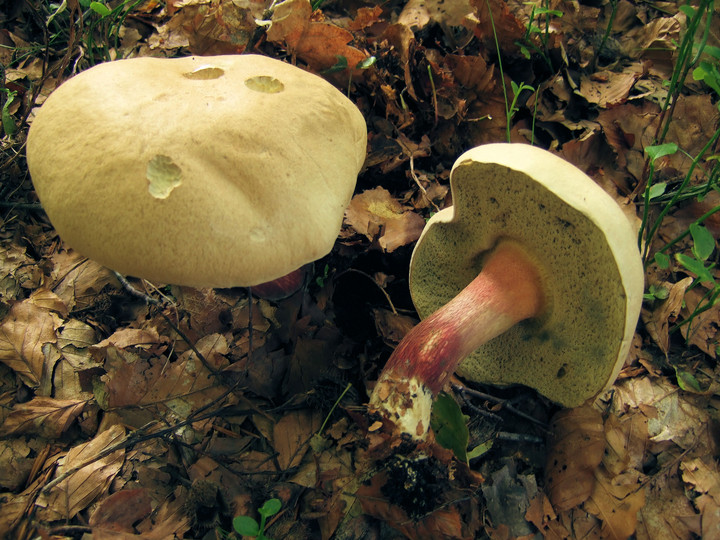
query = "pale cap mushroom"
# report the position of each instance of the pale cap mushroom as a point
(551, 282)
(201, 171)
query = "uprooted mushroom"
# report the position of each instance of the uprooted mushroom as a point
(201, 171)
(533, 277)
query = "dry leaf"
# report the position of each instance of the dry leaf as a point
(609, 88)
(627, 438)
(704, 475)
(23, 334)
(292, 434)
(77, 280)
(43, 416)
(703, 330)
(76, 492)
(616, 502)
(320, 44)
(181, 386)
(376, 214)
(119, 511)
(392, 326)
(576, 450)
(657, 322)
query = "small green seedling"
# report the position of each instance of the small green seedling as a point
(8, 124)
(541, 15)
(451, 431)
(247, 526)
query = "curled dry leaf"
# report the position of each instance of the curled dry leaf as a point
(82, 487)
(377, 215)
(23, 333)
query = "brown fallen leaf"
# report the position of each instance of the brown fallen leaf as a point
(119, 511)
(616, 501)
(292, 434)
(494, 18)
(608, 88)
(77, 280)
(76, 492)
(177, 387)
(43, 416)
(392, 326)
(319, 43)
(703, 330)
(377, 215)
(627, 438)
(23, 334)
(657, 321)
(576, 450)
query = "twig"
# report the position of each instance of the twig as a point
(503, 402)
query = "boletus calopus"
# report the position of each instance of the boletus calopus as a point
(215, 171)
(532, 277)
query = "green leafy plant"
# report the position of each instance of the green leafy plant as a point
(8, 123)
(534, 33)
(511, 107)
(97, 26)
(693, 56)
(247, 526)
(450, 427)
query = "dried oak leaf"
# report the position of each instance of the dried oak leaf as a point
(82, 487)
(377, 215)
(26, 329)
(43, 416)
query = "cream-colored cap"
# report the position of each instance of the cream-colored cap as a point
(592, 272)
(203, 171)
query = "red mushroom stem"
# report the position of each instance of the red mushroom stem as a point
(282, 287)
(507, 290)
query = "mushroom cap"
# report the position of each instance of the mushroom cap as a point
(212, 171)
(593, 276)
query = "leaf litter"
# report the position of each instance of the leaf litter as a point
(113, 423)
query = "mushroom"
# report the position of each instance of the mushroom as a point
(533, 277)
(213, 171)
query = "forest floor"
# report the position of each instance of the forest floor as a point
(110, 427)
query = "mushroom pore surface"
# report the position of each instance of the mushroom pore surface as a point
(202, 171)
(585, 247)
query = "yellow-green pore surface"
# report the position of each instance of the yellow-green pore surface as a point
(203, 171)
(592, 272)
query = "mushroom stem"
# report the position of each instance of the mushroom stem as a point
(282, 287)
(507, 291)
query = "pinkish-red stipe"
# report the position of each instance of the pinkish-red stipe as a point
(507, 291)
(281, 287)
